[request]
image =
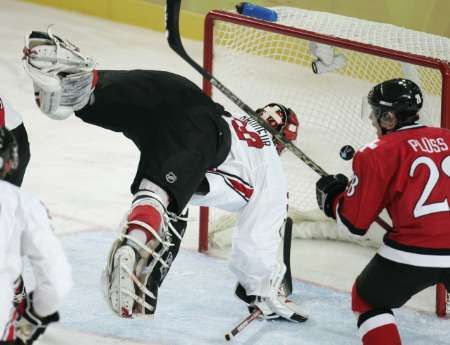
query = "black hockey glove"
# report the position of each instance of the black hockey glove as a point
(327, 188)
(31, 326)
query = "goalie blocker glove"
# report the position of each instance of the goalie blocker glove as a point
(327, 189)
(31, 326)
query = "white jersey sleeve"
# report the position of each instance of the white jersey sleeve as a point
(50, 266)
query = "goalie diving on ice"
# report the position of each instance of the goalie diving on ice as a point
(191, 151)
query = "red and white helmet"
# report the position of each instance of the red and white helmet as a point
(282, 119)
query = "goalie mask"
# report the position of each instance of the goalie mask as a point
(63, 78)
(9, 159)
(283, 120)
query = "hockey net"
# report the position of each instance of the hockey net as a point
(264, 62)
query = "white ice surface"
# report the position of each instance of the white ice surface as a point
(83, 174)
(196, 306)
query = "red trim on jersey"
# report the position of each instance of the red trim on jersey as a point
(10, 329)
(241, 188)
(148, 215)
(95, 78)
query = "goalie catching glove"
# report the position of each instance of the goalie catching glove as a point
(63, 78)
(30, 325)
(275, 306)
(327, 189)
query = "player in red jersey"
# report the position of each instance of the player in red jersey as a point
(407, 172)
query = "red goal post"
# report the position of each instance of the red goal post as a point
(245, 54)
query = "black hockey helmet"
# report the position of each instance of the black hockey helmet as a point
(400, 96)
(9, 159)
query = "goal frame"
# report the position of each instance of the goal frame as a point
(208, 54)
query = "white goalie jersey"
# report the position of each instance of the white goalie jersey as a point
(25, 231)
(250, 182)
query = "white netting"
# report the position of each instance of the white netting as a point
(364, 31)
(263, 67)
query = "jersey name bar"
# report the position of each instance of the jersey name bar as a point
(428, 145)
(259, 129)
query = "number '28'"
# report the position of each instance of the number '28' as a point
(422, 208)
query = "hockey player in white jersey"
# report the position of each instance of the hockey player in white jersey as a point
(12, 120)
(251, 182)
(25, 231)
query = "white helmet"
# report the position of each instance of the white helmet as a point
(63, 78)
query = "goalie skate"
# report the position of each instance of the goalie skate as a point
(276, 306)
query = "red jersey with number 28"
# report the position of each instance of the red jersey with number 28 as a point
(408, 173)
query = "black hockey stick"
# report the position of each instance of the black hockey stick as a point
(287, 241)
(244, 323)
(174, 39)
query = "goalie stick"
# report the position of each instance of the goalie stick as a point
(174, 40)
(287, 241)
(244, 323)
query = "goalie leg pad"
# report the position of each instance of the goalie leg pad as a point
(122, 285)
(157, 269)
(136, 282)
(124, 276)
